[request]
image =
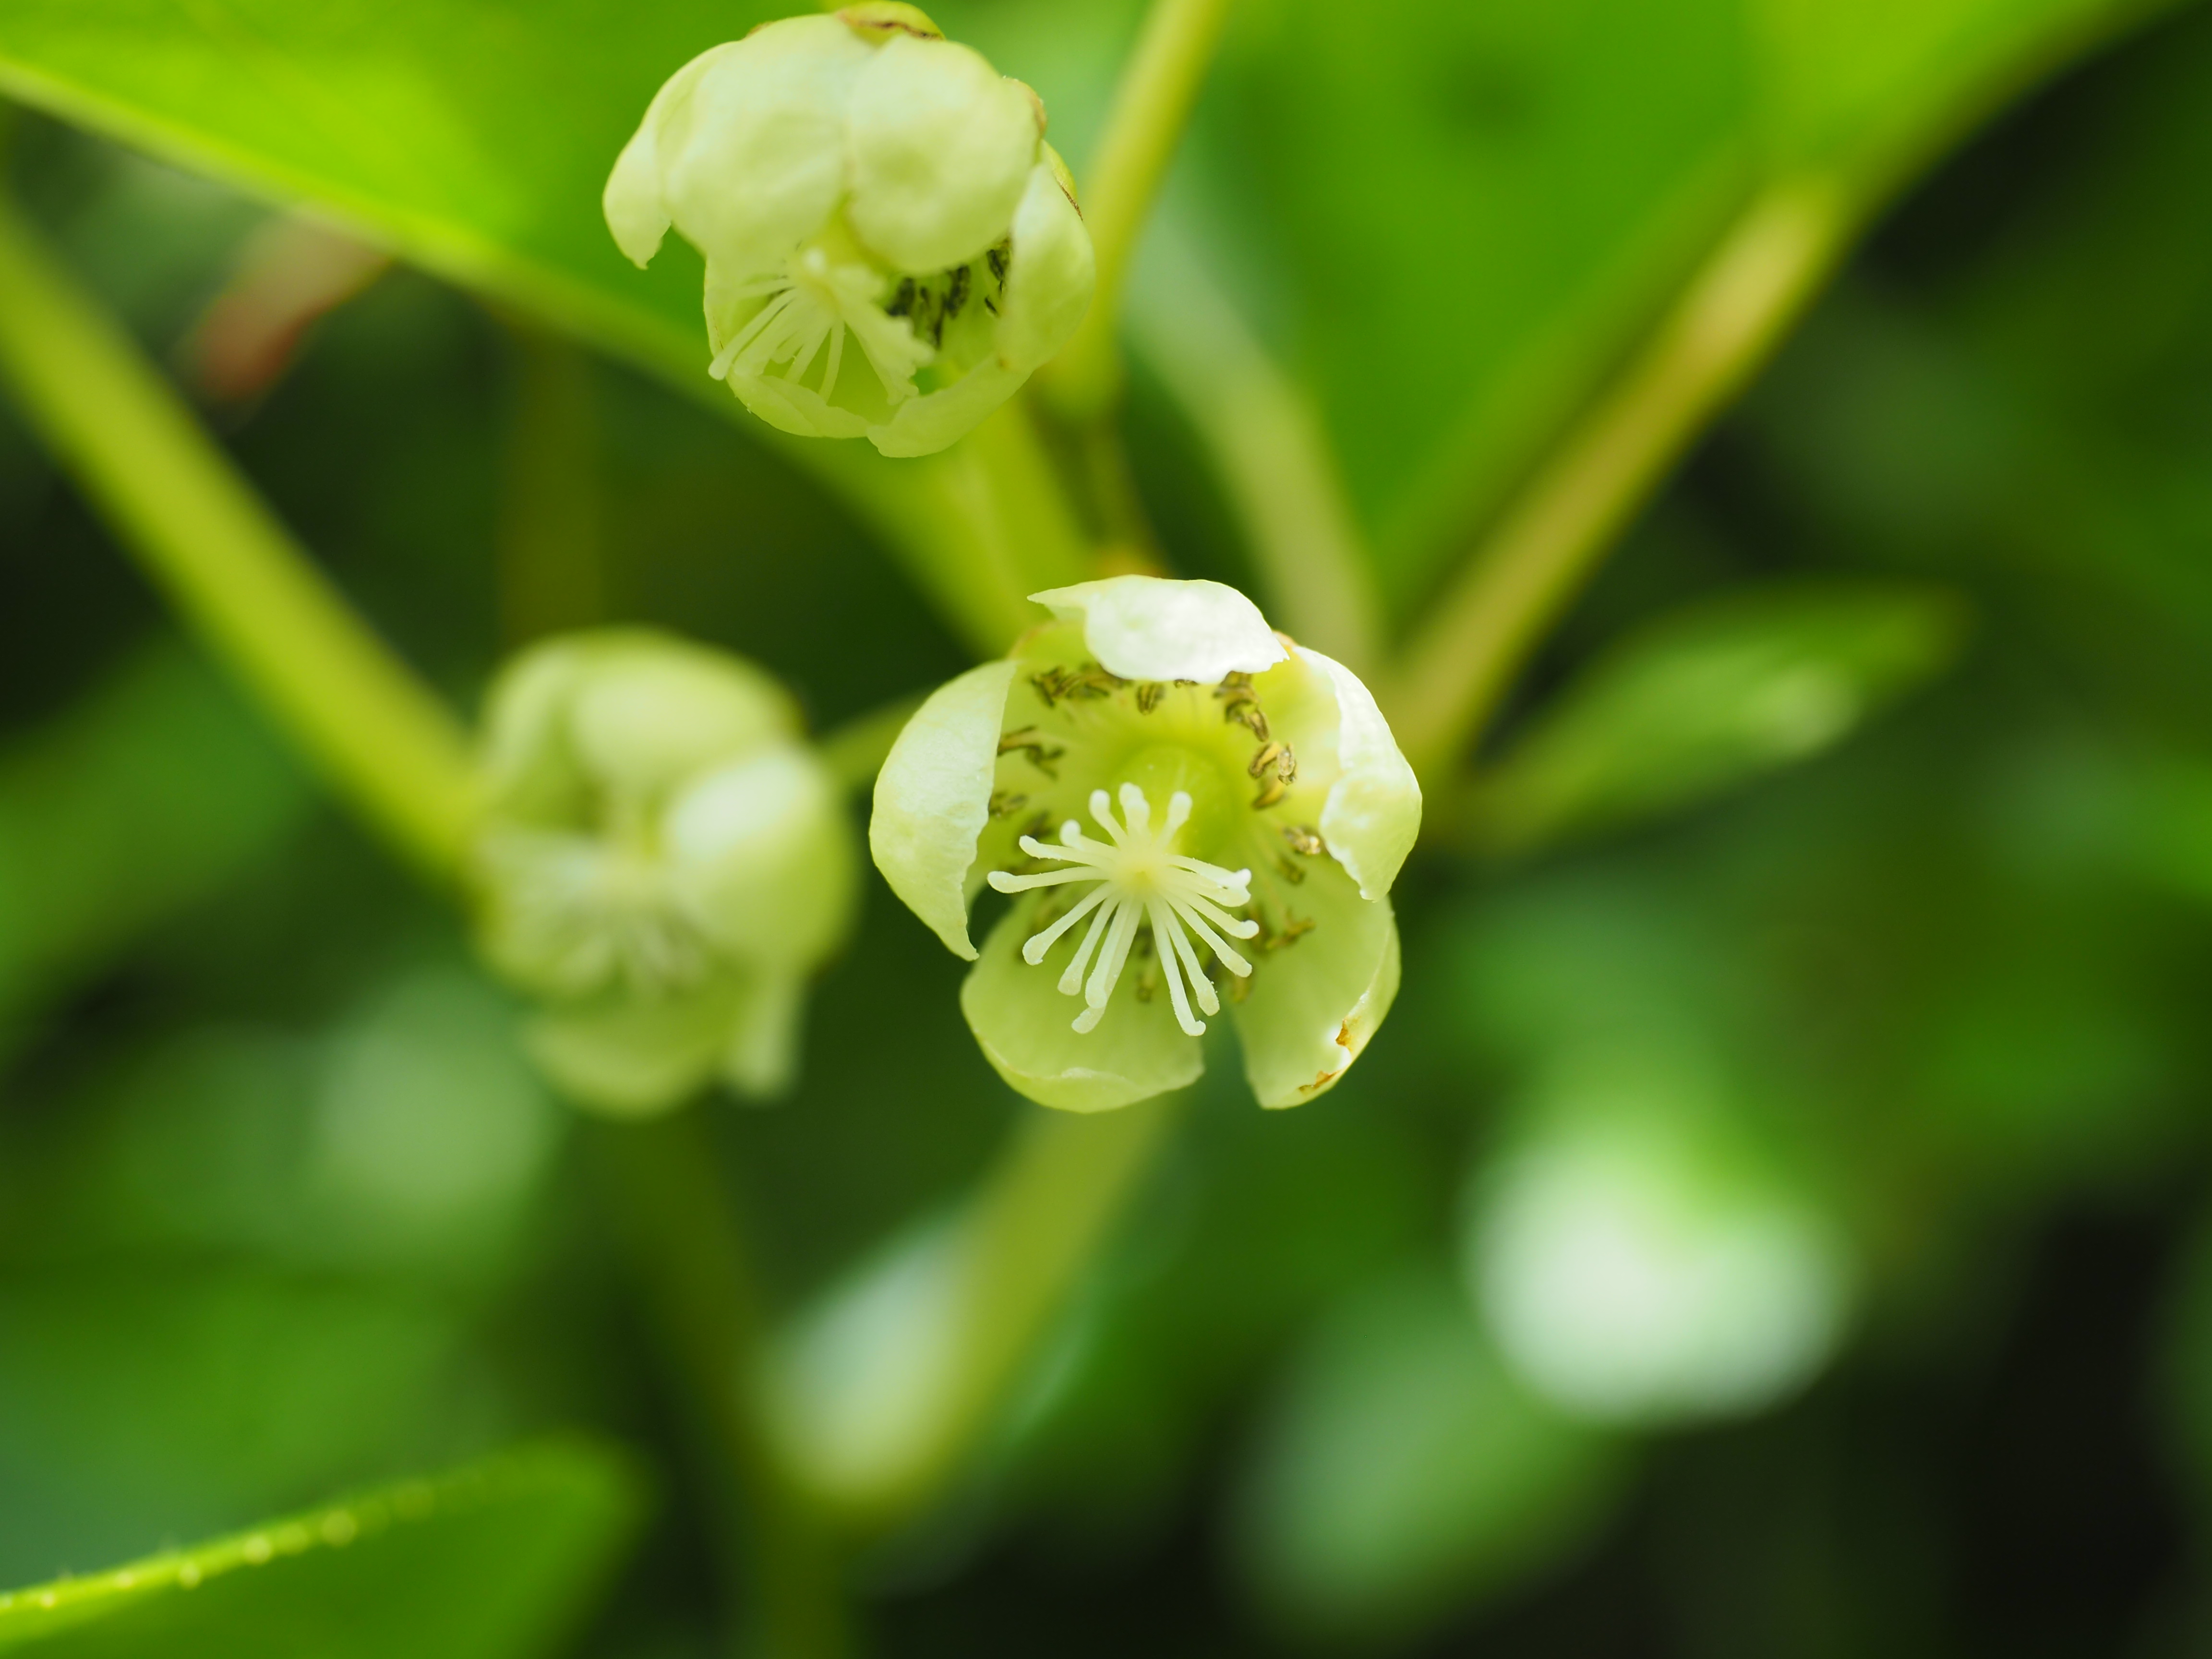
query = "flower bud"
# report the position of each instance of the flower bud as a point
(662, 860)
(891, 247)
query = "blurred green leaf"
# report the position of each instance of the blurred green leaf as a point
(1457, 220)
(162, 744)
(474, 137)
(1708, 696)
(493, 1560)
(473, 134)
(1404, 1473)
(153, 1398)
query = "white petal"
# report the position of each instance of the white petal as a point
(651, 710)
(1314, 1006)
(633, 201)
(760, 854)
(942, 146)
(1373, 814)
(1049, 277)
(1148, 628)
(933, 797)
(753, 162)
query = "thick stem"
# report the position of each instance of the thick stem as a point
(1553, 535)
(1151, 106)
(885, 1394)
(688, 1258)
(176, 501)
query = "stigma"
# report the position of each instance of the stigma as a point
(1138, 879)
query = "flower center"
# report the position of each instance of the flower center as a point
(812, 302)
(1138, 877)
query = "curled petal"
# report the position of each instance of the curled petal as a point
(1149, 628)
(635, 204)
(1373, 813)
(1051, 276)
(1316, 1003)
(932, 799)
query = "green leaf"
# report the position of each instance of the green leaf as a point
(162, 742)
(1708, 697)
(1405, 1471)
(1458, 221)
(497, 1558)
(473, 137)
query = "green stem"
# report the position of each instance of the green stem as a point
(1151, 106)
(674, 1220)
(1551, 536)
(1274, 458)
(175, 501)
(936, 1333)
(552, 568)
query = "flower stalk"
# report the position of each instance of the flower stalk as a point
(1496, 612)
(1152, 106)
(176, 502)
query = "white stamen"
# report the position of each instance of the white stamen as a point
(1141, 880)
(813, 303)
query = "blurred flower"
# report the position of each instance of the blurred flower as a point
(1638, 1263)
(1159, 778)
(858, 175)
(663, 860)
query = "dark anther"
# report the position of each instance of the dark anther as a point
(955, 292)
(1026, 742)
(903, 302)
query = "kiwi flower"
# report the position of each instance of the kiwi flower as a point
(891, 247)
(662, 861)
(1189, 811)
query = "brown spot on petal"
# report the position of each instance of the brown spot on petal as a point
(878, 20)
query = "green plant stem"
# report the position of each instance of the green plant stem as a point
(1552, 535)
(175, 501)
(678, 1227)
(1271, 452)
(552, 567)
(1152, 106)
(940, 1331)
(1027, 1238)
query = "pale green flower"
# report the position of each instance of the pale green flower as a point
(891, 247)
(1189, 811)
(662, 862)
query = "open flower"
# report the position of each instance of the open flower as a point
(662, 860)
(891, 247)
(1190, 812)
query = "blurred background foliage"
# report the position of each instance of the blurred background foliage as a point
(1773, 1221)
